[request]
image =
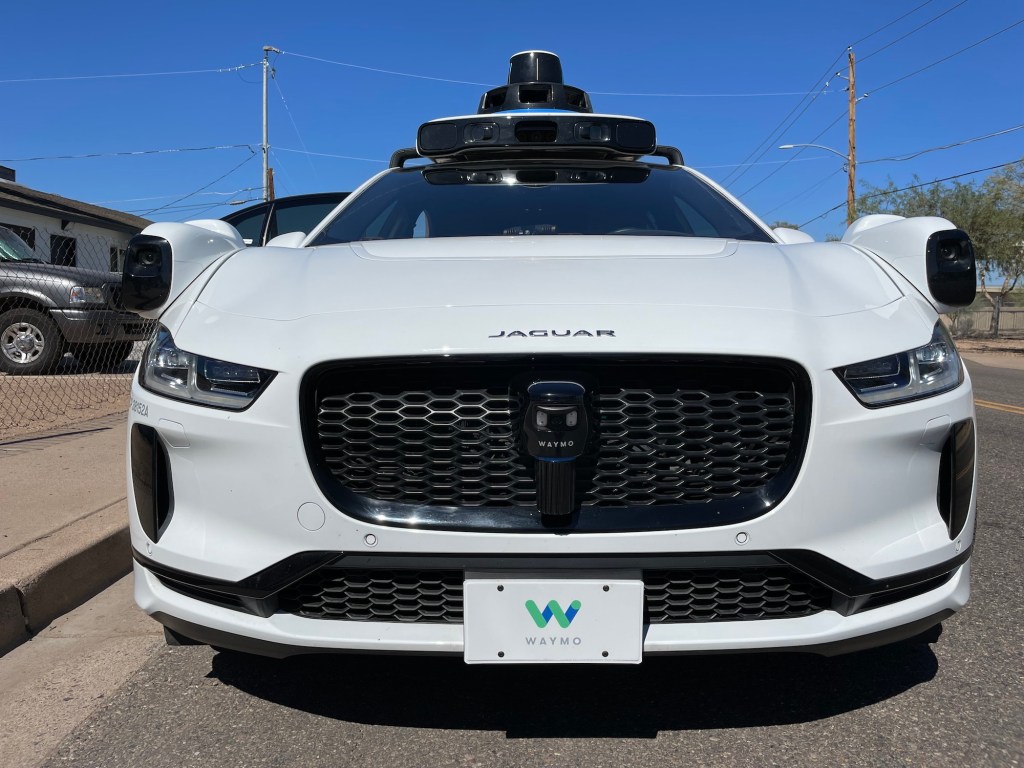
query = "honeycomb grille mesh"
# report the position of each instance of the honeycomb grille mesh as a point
(734, 594)
(670, 597)
(664, 435)
(398, 595)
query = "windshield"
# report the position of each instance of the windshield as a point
(539, 198)
(13, 248)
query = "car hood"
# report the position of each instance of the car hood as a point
(815, 279)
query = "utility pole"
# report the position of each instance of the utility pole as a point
(268, 186)
(851, 157)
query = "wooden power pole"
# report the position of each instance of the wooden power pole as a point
(851, 159)
(268, 179)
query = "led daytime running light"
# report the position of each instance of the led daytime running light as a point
(923, 372)
(173, 372)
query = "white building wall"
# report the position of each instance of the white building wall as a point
(92, 244)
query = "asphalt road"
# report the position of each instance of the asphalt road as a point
(959, 702)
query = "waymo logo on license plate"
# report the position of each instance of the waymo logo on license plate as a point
(553, 610)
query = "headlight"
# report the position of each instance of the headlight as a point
(82, 295)
(170, 371)
(922, 372)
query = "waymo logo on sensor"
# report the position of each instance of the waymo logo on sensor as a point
(553, 610)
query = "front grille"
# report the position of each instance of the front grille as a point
(400, 595)
(734, 594)
(670, 596)
(668, 431)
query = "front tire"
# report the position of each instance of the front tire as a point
(30, 343)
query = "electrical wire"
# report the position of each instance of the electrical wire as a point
(328, 154)
(776, 132)
(702, 95)
(133, 74)
(286, 180)
(295, 127)
(946, 58)
(763, 162)
(128, 154)
(944, 146)
(799, 151)
(784, 125)
(913, 186)
(802, 194)
(206, 205)
(593, 93)
(894, 21)
(381, 71)
(202, 188)
(176, 194)
(908, 34)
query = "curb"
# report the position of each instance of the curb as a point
(60, 571)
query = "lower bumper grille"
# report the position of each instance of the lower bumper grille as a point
(670, 596)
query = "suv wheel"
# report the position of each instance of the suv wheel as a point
(29, 342)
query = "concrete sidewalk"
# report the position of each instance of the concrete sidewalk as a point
(63, 523)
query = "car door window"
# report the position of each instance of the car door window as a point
(250, 226)
(297, 217)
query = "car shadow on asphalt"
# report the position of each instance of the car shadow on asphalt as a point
(662, 694)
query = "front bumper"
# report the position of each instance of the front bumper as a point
(280, 635)
(245, 499)
(97, 326)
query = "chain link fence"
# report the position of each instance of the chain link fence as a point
(68, 348)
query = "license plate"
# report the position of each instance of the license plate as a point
(541, 619)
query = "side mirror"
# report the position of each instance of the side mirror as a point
(287, 240)
(146, 279)
(950, 265)
(792, 236)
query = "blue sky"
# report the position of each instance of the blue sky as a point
(730, 50)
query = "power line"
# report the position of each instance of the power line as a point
(207, 205)
(128, 154)
(703, 95)
(164, 197)
(804, 193)
(912, 186)
(202, 188)
(328, 154)
(132, 74)
(944, 146)
(702, 167)
(196, 214)
(894, 21)
(294, 124)
(381, 71)
(776, 132)
(766, 142)
(593, 93)
(824, 130)
(908, 34)
(946, 58)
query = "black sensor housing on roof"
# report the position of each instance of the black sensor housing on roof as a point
(534, 82)
(536, 114)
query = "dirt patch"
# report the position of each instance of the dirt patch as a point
(1009, 347)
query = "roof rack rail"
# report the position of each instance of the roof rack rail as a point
(400, 156)
(673, 155)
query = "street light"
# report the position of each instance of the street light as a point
(851, 172)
